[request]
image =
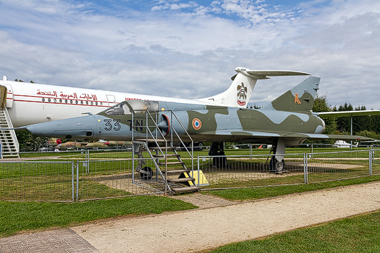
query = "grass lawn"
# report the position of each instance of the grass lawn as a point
(110, 154)
(355, 234)
(22, 216)
(273, 191)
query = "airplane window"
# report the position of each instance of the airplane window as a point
(81, 102)
(55, 100)
(43, 99)
(71, 101)
(76, 101)
(86, 102)
(60, 100)
(92, 103)
(101, 103)
(49, 100)
(96, 103)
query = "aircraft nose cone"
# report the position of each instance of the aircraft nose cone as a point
(76, 128)
(39, 129)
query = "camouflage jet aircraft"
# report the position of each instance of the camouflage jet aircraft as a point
(287, 120)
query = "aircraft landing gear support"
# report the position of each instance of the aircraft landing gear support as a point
(217, 149)
(146, 173)
(277, 163)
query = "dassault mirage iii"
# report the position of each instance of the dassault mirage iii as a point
(287, 120)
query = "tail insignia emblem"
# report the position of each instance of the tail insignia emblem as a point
(296, 99)
(241, 94)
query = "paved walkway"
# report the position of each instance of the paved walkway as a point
(61, 240)
(210, 227)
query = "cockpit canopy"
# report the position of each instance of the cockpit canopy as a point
(136, 106)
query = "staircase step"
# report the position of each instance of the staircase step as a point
(171, 163)
(169, 148)
(151, 140)
(181, 180)
(10, 155)
(171, 172)
(7, 137)
(186, 189)
(168, 155)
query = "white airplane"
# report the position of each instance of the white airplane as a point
(31, 103)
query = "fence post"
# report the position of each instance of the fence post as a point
(72, 182)
(77, 181)
(370, 161)
(198, 169)
(305, 169)
(88, 161)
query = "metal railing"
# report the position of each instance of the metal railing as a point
(153, 137)
(37, 181)
(90, 177)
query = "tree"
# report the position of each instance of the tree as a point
(370, 134)
(361, 123)
(344, 123)
(320, 105)
(30, 142)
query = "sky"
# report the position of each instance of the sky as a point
(190, 49)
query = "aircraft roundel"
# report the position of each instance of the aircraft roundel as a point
(197, 124)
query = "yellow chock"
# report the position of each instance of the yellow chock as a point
(202, 179)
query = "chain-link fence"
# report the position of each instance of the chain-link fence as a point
(338, 165)
(248, 171)
(36, 181)
(375, 162)
(113, 178)
(72, 154)
(91, 176)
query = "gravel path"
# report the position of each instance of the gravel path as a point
(195, 230)
(215, 223)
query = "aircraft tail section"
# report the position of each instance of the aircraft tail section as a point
(243, 83)
(298, 99)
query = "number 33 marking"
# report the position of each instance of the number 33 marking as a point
(112, 124)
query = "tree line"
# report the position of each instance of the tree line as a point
(362, 125)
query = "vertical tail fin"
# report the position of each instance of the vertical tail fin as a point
(298, 99)
(243, 83)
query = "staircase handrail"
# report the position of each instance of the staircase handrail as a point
(147, 130)
(167, 187)
(188, 135)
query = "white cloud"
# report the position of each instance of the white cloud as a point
(173, 6)
(186, 49)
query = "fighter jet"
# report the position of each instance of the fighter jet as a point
(287, 120)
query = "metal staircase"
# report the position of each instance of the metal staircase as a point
(8, 138)
(176, 173)
(171, 170)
